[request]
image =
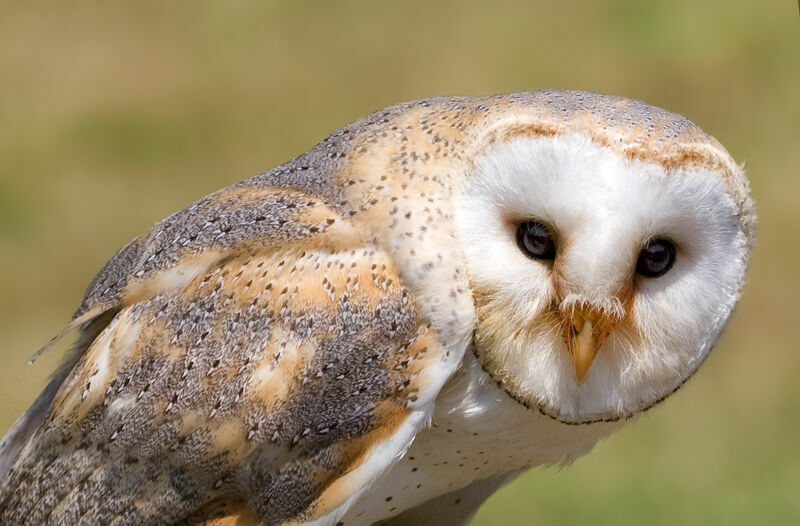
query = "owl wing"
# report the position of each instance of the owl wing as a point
(262, 359)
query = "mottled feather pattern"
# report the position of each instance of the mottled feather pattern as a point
(249, 353)
(264, 376)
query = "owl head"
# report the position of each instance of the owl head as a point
(604, 256)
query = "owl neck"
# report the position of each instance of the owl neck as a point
(474, 409)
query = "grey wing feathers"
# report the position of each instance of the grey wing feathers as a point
(312, 173)
(258, 377)
(250, 352)
(24, 427)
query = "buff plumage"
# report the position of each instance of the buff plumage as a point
(271, 351)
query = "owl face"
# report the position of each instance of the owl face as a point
(600, 282)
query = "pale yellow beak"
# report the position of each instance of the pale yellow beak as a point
(585, 331)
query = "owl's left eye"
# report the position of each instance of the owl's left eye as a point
(656, 258)
(536, 240)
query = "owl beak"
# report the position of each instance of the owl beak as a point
(585, 332)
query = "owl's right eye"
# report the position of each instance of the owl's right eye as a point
(536, 240)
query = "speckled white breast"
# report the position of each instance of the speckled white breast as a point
(477, 432)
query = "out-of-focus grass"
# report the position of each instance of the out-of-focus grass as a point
(114, 115)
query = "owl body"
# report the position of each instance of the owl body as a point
(394, 324)
(479, 440)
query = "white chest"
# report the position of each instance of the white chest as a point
(476, 432)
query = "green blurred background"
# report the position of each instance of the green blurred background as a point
(113, 115)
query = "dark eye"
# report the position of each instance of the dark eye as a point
(536, 240)
(655, 258)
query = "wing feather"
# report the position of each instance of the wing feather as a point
(270, 369)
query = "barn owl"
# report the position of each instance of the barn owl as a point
(394, 324)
